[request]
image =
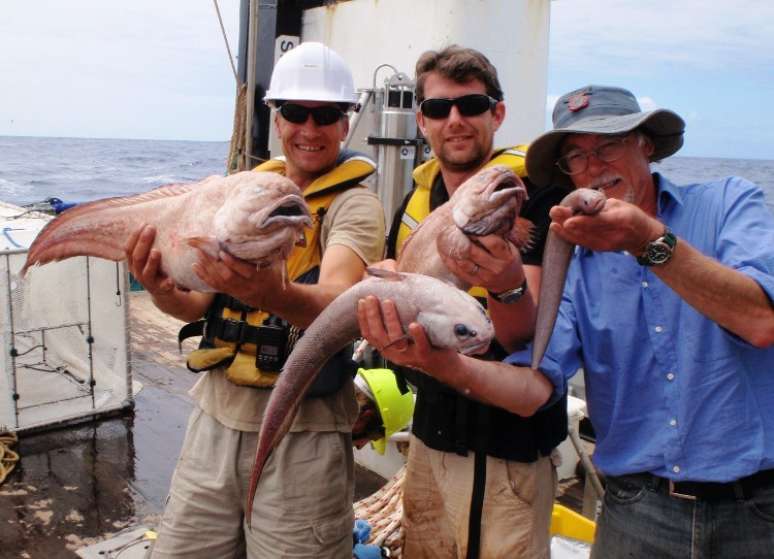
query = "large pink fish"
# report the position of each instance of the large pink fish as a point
(252, 215)
(488, 203)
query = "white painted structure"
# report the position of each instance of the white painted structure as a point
(513, 34)
(63, 330)
(379, 38)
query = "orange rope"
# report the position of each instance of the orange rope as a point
(8, 458)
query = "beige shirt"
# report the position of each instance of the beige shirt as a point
(355, 219)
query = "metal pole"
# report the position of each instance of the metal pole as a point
(354, 119)
(252, 40)
(13, 350)
(244, 28)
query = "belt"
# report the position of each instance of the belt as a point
(704, 490)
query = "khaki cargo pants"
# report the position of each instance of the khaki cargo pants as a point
(515, 520)
(303, 507)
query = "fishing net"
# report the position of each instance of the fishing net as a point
(383, 510)
(64, 333)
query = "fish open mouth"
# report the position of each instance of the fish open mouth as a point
(499, 203)
(505, 186)
(505, 180)
(290, 208)
(499, 215)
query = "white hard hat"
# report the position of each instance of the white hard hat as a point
(311, 72)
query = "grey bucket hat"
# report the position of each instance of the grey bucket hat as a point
(598, 109)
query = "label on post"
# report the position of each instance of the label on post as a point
(283, 44)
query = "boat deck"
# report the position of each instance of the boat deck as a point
(78, 485)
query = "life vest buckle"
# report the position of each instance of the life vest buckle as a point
(229, 330)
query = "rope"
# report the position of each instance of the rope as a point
(236, 160)
(8, 458)
(225, 39)
(238, 157)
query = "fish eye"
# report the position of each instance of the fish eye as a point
(460, 330)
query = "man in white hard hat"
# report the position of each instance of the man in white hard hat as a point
(303, 506)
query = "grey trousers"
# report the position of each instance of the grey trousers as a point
(302, 509)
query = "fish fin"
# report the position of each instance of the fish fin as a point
(210, 245)
(384, 274)
(522, 234)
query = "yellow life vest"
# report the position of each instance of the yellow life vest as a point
(418, 207)
(240, 355)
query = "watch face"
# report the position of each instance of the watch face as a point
(659, 252)
(511, 297)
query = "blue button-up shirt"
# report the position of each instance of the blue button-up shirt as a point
(669, 391)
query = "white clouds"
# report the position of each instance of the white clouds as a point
(116, 69)
(647, 103)
(711, 62)
(695, 32)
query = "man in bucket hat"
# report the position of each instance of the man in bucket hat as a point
(668, 309)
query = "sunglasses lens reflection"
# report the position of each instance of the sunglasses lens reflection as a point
(298, 114)
(467, 105)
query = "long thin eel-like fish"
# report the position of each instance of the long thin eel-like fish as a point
(556, 259)
(451, 318)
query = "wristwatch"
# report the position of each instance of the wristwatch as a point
(511, 295)
(659, 251)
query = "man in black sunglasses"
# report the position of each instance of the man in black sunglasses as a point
(303, 505)
(480, 481)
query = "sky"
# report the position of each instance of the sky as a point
(710, 62)
(160, 70)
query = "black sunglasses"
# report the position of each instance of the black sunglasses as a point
(468, 105)
(322, 116)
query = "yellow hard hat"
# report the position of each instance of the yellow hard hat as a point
(395, 408)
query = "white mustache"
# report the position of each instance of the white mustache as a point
(602, 182)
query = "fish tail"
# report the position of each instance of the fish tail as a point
(64, 238)
(330, 332)
(261, 457)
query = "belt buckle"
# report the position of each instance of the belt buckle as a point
(673, 493)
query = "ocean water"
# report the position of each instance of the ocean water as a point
(79, 170)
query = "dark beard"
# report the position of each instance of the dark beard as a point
(473, 164)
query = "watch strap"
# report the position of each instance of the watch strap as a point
(659, 251)
(511, 295)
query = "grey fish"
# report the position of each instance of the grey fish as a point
(556, 259)
(252, 215)
(451, 318)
